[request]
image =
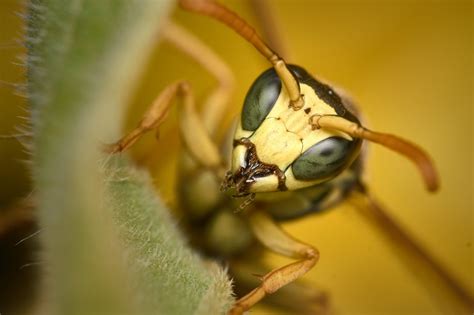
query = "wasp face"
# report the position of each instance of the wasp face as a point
(278, 148)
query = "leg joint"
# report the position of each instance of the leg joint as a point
(311, 253)
(184, 87)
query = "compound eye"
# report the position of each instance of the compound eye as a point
(324, 159)
(260, 99)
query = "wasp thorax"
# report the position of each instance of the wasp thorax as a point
(279, 148)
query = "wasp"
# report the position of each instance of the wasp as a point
(212, 221)
(296, 150)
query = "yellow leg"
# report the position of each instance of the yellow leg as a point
(215, 105)
(195, 135)
(235, 22)
(298, 297)
(269, 233)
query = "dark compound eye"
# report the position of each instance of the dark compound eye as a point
(260, 99)
(324, 159)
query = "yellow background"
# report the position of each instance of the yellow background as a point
(408, 64)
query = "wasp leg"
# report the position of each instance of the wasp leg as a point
(298, 297)
(195, 135)
(201, 192)
(216, 103)
(239, 25)
(195, 128)
(269, 233)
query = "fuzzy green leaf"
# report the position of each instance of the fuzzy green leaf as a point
(109, 245)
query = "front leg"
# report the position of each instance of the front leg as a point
(195, 136)
(270, 234)
(298, 297)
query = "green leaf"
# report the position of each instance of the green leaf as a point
(109, 245)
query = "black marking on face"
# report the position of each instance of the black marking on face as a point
(324, 92)
(245, 176)
(325, 159)
(260, 99)
(307, 110)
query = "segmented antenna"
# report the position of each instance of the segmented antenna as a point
(408, 149)
(235, 22)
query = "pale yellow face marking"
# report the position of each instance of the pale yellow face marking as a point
(267, 183)
(298, 121)
(275, 145)
(238, 157)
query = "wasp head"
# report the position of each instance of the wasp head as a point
(278, 148)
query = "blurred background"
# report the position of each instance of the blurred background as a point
(409, 66)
